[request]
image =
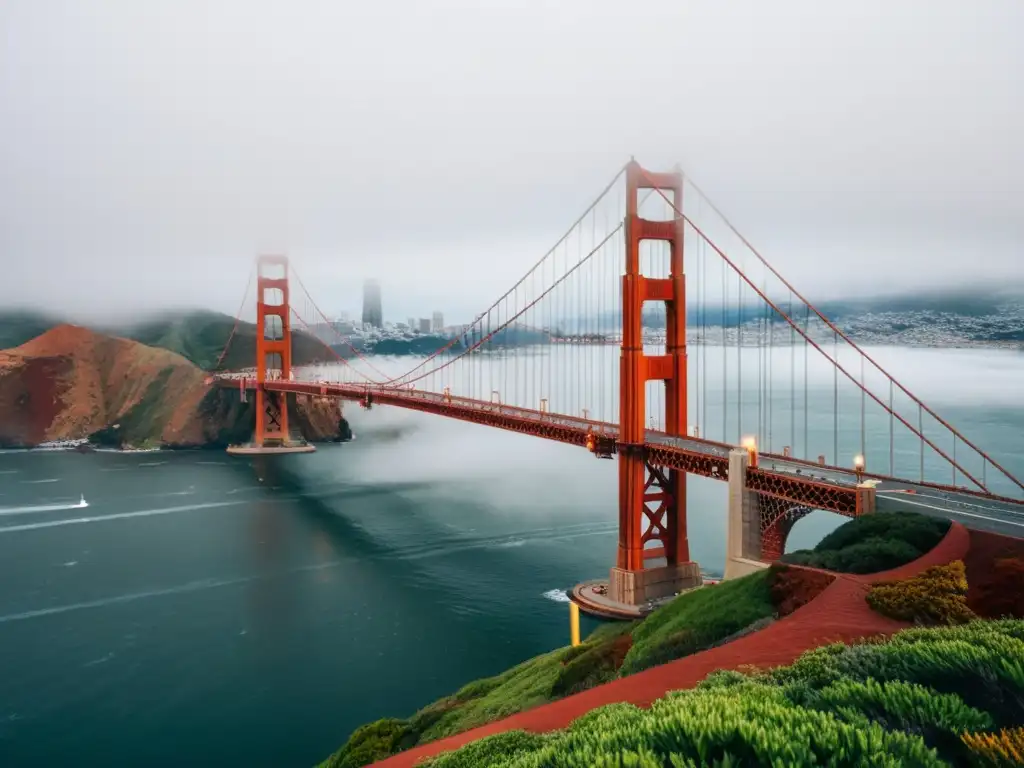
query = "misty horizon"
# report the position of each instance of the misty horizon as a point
(152, 151)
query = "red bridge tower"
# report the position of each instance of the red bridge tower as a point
(653, 558)
(273, 350)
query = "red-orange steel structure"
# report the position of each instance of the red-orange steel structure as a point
(652, 555)
(273, 349)
(646, 493)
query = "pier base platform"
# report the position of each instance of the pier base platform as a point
(644, 592)
(262, 450)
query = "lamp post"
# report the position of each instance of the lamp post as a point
(750, 444)
(858, 467)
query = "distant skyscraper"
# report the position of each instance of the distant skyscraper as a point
(438, 323)
(372, 314)
(424, 325)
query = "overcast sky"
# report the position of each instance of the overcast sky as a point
(150, 148)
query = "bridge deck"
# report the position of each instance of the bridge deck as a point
(820, 486)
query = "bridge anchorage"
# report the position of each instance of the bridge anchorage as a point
(768, 492)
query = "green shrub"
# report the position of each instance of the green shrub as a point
(369, 743)
(873, 543)
(492, 750)
(936, 596)
(718, 727)
(982, 663)
(904, 701)
(939, 718)
(698, 619)
(920, 531)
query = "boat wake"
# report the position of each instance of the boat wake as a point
(557, 595)
(81, 504)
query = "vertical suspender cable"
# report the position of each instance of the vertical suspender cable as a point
(739, 359)
(704, 331)
(725, 356)
(863, 406)
(892, 433)
(835, 401)
(807, 323)
(771, 368)
(792, 379)
(920, 429)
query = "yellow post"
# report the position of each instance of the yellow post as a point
(574, 623)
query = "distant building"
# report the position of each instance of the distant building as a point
(413, 325)
(372, 313)
(438, 323)
(424, 325)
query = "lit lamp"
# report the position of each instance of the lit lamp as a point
(750, 444)
(858, 467)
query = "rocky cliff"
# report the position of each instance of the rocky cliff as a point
(73, 383)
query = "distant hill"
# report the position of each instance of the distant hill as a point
(200, 336)
(20, 325)
(973, 314)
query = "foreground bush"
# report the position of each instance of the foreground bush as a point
(926, 697)
(874, 543)
(936, 596)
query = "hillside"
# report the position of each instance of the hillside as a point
(940, 696)
(695, 621)
(73, 383)
(199, 336)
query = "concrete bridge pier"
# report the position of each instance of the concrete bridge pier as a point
(743, 531)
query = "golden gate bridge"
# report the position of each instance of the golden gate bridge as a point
(771, 423)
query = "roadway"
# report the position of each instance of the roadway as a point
(1001, 516)
(995, 515)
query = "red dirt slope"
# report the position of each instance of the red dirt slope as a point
(838, 614)
(71, 382)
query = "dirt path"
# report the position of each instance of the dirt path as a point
(838, 614)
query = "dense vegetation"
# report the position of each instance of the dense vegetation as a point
(690, 623)
(936, 596)
(873, 543)
(925, 697)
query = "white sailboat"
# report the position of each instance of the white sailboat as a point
(83, 502)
